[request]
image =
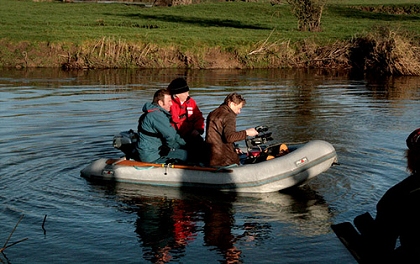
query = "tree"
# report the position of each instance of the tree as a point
(308, 13)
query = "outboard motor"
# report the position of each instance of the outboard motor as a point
(126, 141)
(255, 145)
(263, 136)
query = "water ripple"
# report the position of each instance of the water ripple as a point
(51, 127)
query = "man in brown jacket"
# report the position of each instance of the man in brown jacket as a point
(221, 131)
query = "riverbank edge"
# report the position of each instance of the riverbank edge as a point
(381, 52)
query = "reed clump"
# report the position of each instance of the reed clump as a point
(386, 52)
(108, 53)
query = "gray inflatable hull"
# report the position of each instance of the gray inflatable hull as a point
(295, 168)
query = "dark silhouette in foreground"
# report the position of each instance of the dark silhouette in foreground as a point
(393, 236)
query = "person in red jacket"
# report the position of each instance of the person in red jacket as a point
(187, 119)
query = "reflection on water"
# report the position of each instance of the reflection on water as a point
(169, 219)
(54, 123)
(391, 87)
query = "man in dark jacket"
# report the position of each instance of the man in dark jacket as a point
(397, 211)
(221, 131)
(158, 140)
(397, 217)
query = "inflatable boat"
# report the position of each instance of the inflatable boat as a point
(302, 163)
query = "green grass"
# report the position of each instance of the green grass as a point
(225, 24)
(373, 2)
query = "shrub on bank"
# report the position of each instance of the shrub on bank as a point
(384, 51)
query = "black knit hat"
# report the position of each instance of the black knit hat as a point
(413, 140)
(177, 86)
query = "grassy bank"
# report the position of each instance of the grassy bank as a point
(206, 35)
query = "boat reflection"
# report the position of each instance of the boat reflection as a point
(164, 227)
(168, 219)
(302, 210)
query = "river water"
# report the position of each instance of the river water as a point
(54, 123)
